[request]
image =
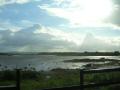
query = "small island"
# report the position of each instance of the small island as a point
(92, 60)
(95, 63)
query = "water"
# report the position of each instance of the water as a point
(44, 62)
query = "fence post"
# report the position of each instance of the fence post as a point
(18, 79)
(81, 79)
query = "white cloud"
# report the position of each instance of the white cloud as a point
(37, 38)
(61, 35)
(84, 13)
(100, 26)
(22, 1)
(26, 23)
(93, 43)
(81, 12)
(114, 41)
(5, 2)
(7, 25)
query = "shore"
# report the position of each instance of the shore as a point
(35, 80)
(95, 63)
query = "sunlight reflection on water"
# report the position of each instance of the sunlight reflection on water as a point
(45, 62)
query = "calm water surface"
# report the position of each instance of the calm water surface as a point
(44, 62)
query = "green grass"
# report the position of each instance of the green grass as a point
(33, 80)
(44, 79)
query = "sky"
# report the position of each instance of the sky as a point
(59, 25)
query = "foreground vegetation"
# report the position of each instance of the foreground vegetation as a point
(33, 80)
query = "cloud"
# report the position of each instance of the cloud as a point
(100, 43)
(72, 10)
(5, 2)
(114, 19)
(62, 26)
(36, 38)
(81, 12)
(26, 23)
(71, 15)
(61, 35)
(7, 25)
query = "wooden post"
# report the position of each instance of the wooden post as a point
(18, 79)
(81, 79)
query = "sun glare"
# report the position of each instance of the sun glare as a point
(92, 11)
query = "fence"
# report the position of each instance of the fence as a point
(104, 70)
(13, 87)
(82, 85)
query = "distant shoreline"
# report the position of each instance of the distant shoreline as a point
(115, 53)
